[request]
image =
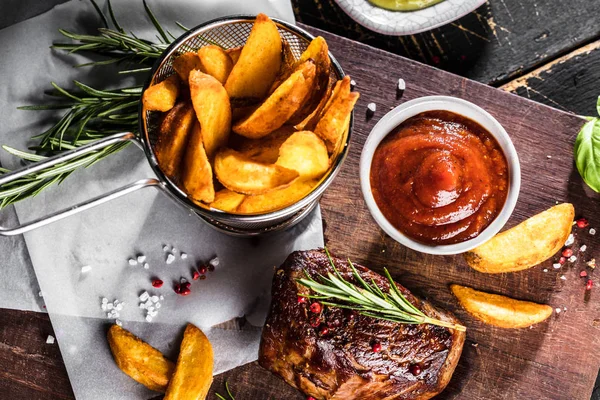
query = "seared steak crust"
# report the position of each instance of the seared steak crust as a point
(340, 364)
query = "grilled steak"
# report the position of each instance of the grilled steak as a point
(415, 361)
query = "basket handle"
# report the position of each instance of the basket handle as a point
(75, 209)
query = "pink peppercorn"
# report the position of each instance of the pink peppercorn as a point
(376, 347)
(583, 274)
(157, 283)
(582, 223)
(567, 252)
(589, 284)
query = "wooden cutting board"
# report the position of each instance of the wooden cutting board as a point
(558, 359)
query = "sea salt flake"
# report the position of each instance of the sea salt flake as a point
(132, 262)
(174, 250)
(548, 156)
(146, 266)
(149, 318)
(110, 306)
(141, 258)
(556, 265)
(157, 306)
(372, 107)
(564, 278)
(583, 248)
(148, 303)
(165, 248)
(558, 310)
(182, 280)
(572, 259)
(401, 84)
(144, 296)
(86, 268)
(142, 305)
(570, 240)
(170, 258)
(545, 270)
(183, 256)
(50, 339)
(104, 300)
(41, 294)
(592, 231)
(161, 297)
(119, 307)
(154, 299)
(353, 83)
(214, 262)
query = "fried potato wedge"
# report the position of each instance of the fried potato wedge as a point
(215, 62)
(186, 63)
(197, 174)
(194, 369)
(259, 61)
(276, 199)
(234, 53)
(500, 311)
(310, 122)
(213, 110)
(226, 200)
(142, 362)
(336, 116)
(173, 136)
(279, 106)
(318, 52)
(306, 153)
(161, 96)
(265, 150)
(243, 175)
(525, 245)
(288, 65)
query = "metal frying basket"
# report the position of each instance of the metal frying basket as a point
(227, 32)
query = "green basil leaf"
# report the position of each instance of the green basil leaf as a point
(587, 153)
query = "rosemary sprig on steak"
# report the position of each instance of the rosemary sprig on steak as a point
(368, 299)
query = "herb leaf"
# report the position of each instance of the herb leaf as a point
(587, 151)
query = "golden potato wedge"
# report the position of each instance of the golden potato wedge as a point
(525, 245)
(319, 53)
(306, 153)
(336, 116)
(136, 358)
(259, 61)
(243, 175)
(276, 199)
(265, 150)
(500, 311)
(226, 200)
(213, 110)
(162, 96)
(215, 62)
(279, 106)
(196, 170)
(173, 136)
(194, 369)
(186, 63)
(288, 65)
(310, 122)
(234, 53)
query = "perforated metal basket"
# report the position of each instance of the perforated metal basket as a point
(227, 32)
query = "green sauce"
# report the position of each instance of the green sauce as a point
(404, 5)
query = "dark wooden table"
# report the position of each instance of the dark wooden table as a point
(536, 49)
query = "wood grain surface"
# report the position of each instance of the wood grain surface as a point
(555, 360)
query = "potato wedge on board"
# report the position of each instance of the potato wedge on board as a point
(194, 369)
(525, 245)
(196, 170)
(306, 153)
(186, 63)
(215, 62)
(161, 96)
(173, 136)
(500, 311)
(136, 358)
(319, 53)
(234, 53)
(213, 110)
(226, 200)
(336, 116)
(265, 150)
(276, 199)
(279, 106)
(259, 61)
(243, 175)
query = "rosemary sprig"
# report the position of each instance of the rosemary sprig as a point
(368, 299)
(230, 396)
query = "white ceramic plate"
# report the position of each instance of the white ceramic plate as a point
(400, 23)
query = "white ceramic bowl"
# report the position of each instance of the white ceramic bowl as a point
(406, 110)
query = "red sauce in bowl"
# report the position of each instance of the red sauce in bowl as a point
(439, 178)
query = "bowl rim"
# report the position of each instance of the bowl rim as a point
(469, 110)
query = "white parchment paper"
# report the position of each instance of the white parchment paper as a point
(142, 223)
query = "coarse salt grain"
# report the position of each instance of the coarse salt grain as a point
(141, 258)
(592, 231)
(86, 268)
(146, 266)
(372, 107)
(548, 156)
(401, 84)
(558, 310)
(564, 278)
(154, 299)
(148, 318)
(545, 270)
(174, 250)
(572, 259)
(144, 296)
(118, 322)
(214, 262)
(165, 248)
(556, 265)
(41, 294)
(170, 258)
(183, 256)
(583, 248)
(50, 339)
(570, 240)
(353, 83)
(161, 297)
(182, 280)
(132, 261)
